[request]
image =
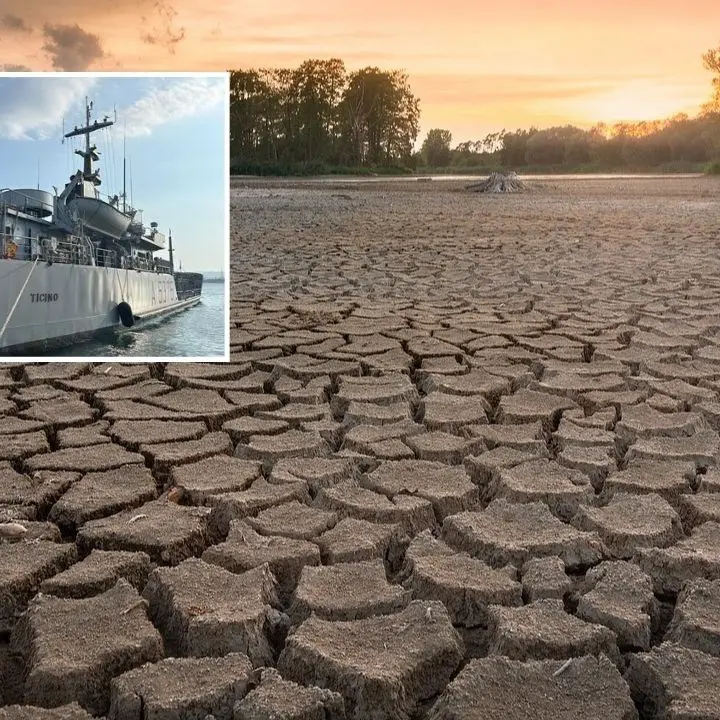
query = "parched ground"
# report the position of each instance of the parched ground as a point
(463, 464)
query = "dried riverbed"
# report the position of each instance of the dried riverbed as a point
(465, 456)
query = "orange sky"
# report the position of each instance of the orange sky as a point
(476, 66)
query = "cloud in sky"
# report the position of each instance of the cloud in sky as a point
(14, 23)
(32, 109)
(161, 105)
(38, 11)
(163, 30)
(70, 47)
(495, 87)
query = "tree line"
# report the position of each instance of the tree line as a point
(678, 143)
(317, 117)
(320, 118)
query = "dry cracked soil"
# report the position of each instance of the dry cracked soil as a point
(463, 464)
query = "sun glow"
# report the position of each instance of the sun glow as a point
(634, 102)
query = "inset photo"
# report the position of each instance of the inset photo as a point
(114, 237)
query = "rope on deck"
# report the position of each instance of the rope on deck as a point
(17, 299)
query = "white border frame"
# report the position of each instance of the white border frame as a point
(120, 359)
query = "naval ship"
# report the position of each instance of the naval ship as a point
(76, 263)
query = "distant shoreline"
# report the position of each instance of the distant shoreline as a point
(482, 171)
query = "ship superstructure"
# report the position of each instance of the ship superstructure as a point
(77, 261)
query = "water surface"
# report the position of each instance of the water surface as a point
(196, 332)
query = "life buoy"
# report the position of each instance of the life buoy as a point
(126, 314)
(10, 250)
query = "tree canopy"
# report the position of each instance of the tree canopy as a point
(319, 114)
(676, 143)
(711, 62)
(436, 148)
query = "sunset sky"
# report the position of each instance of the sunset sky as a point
(476, 66)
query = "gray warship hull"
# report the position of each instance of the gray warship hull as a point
(57, 302)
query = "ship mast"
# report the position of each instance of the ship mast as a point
(89, 154)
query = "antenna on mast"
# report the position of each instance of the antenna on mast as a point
(172, 260)
(124, 194)
(90, 153)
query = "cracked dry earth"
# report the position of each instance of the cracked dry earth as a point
(463, 464)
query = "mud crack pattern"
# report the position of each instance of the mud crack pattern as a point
(465, 456)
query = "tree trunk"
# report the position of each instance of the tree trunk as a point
(498, 183)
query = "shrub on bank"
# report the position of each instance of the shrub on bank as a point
(311, 168)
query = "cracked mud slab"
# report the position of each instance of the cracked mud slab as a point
(543, 630)
(23, 567)
(103, 493)
(693, 557)
(695, 623)
(590, 688)
(99, 572)
(275, 697)
(508, 533)
(245, 549)
(168, 533)
(117, 636)
(204, 610)
(181, 688)
(347, 591)
(674, 681)
(630, 522)
(620, 596)
(382, 666)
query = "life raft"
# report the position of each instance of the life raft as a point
(10, 250)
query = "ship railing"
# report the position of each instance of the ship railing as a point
(70, 252)
(14, 205)
(156, 265)
(77, 252)
(106, 258)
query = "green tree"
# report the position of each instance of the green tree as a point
(246, 97)
(380, 118)
(316, 88)
(514, 147)
(436, 148)
(711, 62)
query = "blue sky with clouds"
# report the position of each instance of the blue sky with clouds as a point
(175, 139)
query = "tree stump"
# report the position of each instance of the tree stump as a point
(498, 183)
